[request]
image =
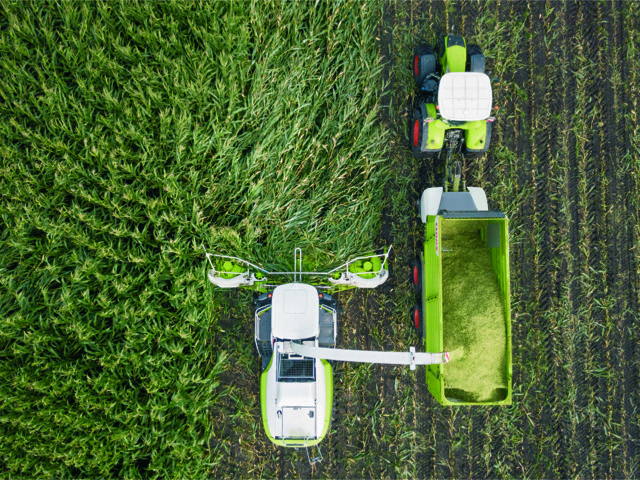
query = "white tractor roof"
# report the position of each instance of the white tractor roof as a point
(465, 96)
(295, 311)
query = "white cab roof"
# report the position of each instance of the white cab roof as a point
(295, 312)
(465, 96)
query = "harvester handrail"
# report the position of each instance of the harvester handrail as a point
(385, 255)
(295, 272)
(231, 258)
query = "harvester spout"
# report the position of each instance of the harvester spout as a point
(410, 358)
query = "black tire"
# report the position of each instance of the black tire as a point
(265, 363)
(440, 46)
(417, 319)
(416, 277)
(477, 66)
(423, 68)
(473, 49)
(416, 131)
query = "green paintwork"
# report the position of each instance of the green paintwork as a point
(435, 132)
(432, 305)
(263, 400)
(475, 133)
(364, 269)
(328, 375)
(454, 58)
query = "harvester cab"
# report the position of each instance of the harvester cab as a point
(455, 102)
(296, 326)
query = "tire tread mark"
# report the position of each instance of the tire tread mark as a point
(629, 22)
(593, 152)
(428, 411)
(542, 140)
(521, 265)
(580, 435)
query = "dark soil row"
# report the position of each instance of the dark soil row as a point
(627, 277)
(540, 271)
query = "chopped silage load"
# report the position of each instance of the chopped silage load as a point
(473, 316)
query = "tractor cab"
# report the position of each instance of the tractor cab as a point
(455, 94)
(464, 97)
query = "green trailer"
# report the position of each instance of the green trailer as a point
(462, 278)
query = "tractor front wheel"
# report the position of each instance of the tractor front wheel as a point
(424, 63)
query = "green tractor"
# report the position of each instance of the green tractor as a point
(455, 104)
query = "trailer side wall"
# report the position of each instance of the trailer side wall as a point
(498, 378)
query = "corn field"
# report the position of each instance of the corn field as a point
(134, 134)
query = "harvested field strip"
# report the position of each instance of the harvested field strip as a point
(631, 418)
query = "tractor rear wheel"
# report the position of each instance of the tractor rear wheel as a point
(416, 132)
(416, 319)
(424, 63)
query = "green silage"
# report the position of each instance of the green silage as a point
(473, 315)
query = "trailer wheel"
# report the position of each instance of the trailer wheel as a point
(416, 277)
(416, 319)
